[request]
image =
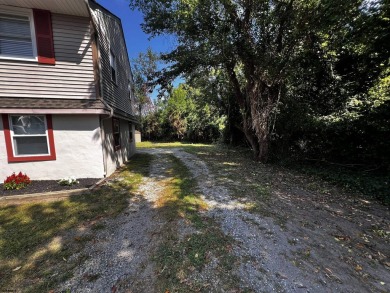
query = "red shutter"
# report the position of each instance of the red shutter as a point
(44, 36)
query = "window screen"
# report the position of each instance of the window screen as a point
(15, 36)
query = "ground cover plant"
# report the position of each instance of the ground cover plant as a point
(39, 241)
(43, 186)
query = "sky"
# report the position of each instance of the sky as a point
(136, 40)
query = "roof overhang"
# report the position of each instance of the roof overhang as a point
(71, 7)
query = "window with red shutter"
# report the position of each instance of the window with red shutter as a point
(44, 36)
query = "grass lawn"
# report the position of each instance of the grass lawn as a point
(39, 242)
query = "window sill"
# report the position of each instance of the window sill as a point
(32, 60)
(31, 158)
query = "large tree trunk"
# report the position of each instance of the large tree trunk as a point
(250, 134)
(257, 105)
(263, 101)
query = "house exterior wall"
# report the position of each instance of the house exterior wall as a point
(78, 145)
(72, 77)
(115, 158)
(110, 38)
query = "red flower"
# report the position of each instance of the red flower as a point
(16, 181)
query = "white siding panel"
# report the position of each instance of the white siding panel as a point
(71, 77)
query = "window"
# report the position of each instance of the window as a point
(29, 137)
(26, 34)
(113, 66)
(131, 132)
(17, 35)
(116, 130)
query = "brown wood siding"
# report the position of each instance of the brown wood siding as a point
(110, 37)
(71, 77)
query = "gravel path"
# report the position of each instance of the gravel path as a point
(262, 246)
(277, 258)
(271, 257)
(119, 259)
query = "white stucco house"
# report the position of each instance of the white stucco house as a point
(66, 90)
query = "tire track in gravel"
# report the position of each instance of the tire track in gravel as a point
(261, 245)
(119, 257)
(266, 256)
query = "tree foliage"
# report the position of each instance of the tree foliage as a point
(144, 69)
(308, 77)
(184, 115)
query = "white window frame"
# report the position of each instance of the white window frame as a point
(11, 129)
(17, 11)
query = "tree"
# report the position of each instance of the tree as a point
(177, 108)
(144, 69)
(256, 42)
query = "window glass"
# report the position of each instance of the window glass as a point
(130, 132)
(32, 145)
(15, 36)
(29, 135)
(113, 66)
(28, 124)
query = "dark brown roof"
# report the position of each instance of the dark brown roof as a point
(30, 103)
(122, 114)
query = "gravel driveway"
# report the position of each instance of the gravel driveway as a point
(306, 253)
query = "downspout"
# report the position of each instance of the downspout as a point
(100, 96)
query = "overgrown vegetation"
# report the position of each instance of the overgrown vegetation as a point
(40, 242)
(297, 80)
(181, 255)
(368, 182)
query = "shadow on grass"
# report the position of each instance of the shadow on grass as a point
(37, 239)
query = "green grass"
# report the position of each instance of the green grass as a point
(34, 246)
(179, 197)
(177, 258)
(149, 144)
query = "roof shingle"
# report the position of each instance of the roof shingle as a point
(30, 103)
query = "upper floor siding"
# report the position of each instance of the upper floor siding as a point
(72, 76)
(119, 94)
